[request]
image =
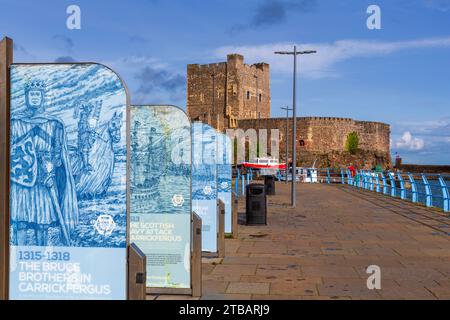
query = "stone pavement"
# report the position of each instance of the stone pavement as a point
(321, 250)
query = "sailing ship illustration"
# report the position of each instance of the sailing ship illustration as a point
(148, 162)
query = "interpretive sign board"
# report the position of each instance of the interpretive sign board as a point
(204, 182)
(161, 193)
(68, 172)
(224, 177)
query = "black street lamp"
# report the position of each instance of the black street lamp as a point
(294, 53)
(287, 140)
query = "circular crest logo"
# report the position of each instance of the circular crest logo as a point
(105, 224)
(177, 200)
(207, 190)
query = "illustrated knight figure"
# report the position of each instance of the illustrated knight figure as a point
(43, 194)
(88, 118)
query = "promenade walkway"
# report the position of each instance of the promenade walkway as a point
(321, 250)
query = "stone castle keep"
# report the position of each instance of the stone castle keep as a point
(233, 94)
(220, 94)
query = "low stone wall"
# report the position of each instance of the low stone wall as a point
(416, 168)
(324, 138)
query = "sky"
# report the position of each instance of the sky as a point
(399, 74)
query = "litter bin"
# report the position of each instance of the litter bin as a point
(269, 182)
(256, 204)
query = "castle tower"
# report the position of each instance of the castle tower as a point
(222, 93)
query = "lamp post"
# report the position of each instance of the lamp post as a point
(294, 53)
(287, 140)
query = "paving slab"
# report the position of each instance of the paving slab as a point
(321, 249)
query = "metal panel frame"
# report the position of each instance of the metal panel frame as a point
(6, 59)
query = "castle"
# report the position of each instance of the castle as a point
(233, 94)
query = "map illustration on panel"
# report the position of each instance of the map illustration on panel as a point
(161, 193)
(204, 182)
(224, 176)
(68, 174)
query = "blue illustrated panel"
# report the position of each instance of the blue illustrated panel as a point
(204, 182)
(224, 177)
(68, 175)
(161, 193)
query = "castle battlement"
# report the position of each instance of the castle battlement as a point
(238, 96)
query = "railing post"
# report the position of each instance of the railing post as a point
(360, 179)
(371, 181)
(414, 191)
(366, 180)
(328, 176)
(377, 179)
(365, 184)
(342, 177)
(445, 194)
(243, 184)
(429, 194)
(392, 182)
(385, 187)
(236, 185)
(349, 177)
(402, 186)
(248, 178)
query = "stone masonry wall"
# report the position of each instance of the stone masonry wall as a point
(241, 91)
(323, 139)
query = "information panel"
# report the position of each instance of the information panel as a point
(161, 193)
(68, 232)
(204, 182)
(224, 177)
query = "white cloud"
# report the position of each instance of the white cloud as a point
(321, 64)
(408, 142)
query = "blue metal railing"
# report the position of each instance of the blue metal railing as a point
(432, 190)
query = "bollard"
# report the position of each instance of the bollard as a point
(243, 185)
(137, 273)
(196, 256)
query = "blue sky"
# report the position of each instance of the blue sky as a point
(399, 74)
